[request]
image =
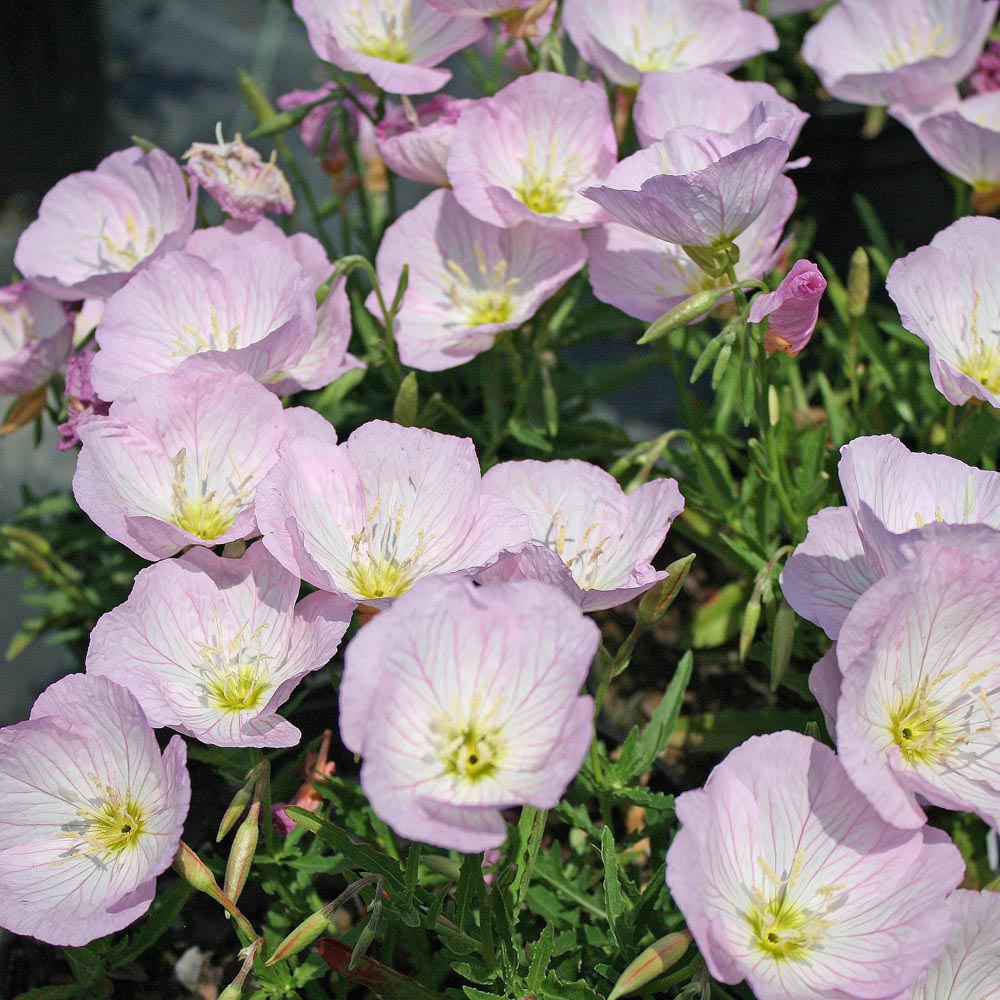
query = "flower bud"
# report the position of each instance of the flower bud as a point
(241, 800)
(242, 852)
(781, 643)
(404, 409)
(195, 872)
(858, 283)
(308, 931)
(657, 600)
(653, 962)
(792, 309)
(683, 313)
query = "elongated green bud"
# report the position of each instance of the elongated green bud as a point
(308, 931)
(657, 600)
(683, 313)
(257, 101)
(653, 962)
(448, 867)
(858, 283)
(721, 363)
(781, 643)
(249, 791)
(751, 618)
(194, 871)
(242, 852)
(404, 409)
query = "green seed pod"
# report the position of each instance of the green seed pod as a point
(657, 600)
(653, 962)
(308, 931)
(240, 801)
(683, 313)
(242, 852)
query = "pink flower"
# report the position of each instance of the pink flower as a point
(463, 701)
(644, 277)
(178, 459)
(35, 338)
(709, 99)
(187, 311)
(792, 309)
(327, 358)
(81, 401)
(896, 501)
(905, 51)
(789, 879)
(469, 280)
(631, 37)
(92, 813)
(970, 965)
(320, 123)
(587, 536)
(234, 174)
(946, 294)
(920, 677)
(986, 76)
(696, 188)
(526, 153)
(368, 518)
(212, 647)
(95, 229)
(395, 42)
(416, 144)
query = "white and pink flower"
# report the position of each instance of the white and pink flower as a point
(525, 154)
(587, 535)
(468, 280)
(789, 879)
(213, 647)
(95, 229)
(628, 38)
(93, 812)
(36, 337)
(415, 143)
(368, 518)
(463, 701)
(398, 43)
(178, 459)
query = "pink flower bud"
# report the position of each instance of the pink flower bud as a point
(793, 308)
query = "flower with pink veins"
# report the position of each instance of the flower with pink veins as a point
(178, 459)
(585, 531)
(970, 965)
(791, 310)
(948, 295)
(82, 402)
(234, 174)
(93, 812)
(327, 357)
(36, 337)
(709, 99)
(790, 880)
(398, 43)
(368, 518)
(629, 38)
(525, 154)
(645, 277)
(698, 188)
(468, 280)
(213, 647)
(249, 308)
(897, 51)
(415, 142)
(464, 701)
(897, 500)
(95, 229)
(962, 137)
(920, 678)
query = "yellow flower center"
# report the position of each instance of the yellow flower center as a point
(582, 556)
(371, 577)
(542, 194)
(201, 511)
(487, 296)
(922, 729)
(472, 752)
(125, 253)
(114, 825)
(982, 365)
(490, 307)
(925, 42)
(237, 688)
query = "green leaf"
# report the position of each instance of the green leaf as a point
(530, 436)
(614, 902)
(361, 856)
(553, 987)
(473, 994)
(541, 955)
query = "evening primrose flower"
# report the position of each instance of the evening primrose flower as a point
(920, 673)
(468, 280)
(368, 518)
(398, 43)
(96, 228)
(525, 154)
(178, 459)
(212, 647)
(36, 337)
(628, 38)
(415, 142)
(946, 294)
(234, 174)
(184, 307)
(92, 813)
(645, 277)
(969, 968)
(587, 536)
(897, 500)
(791, 310)
(463, 701)
(897, 51)
(789, 878)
